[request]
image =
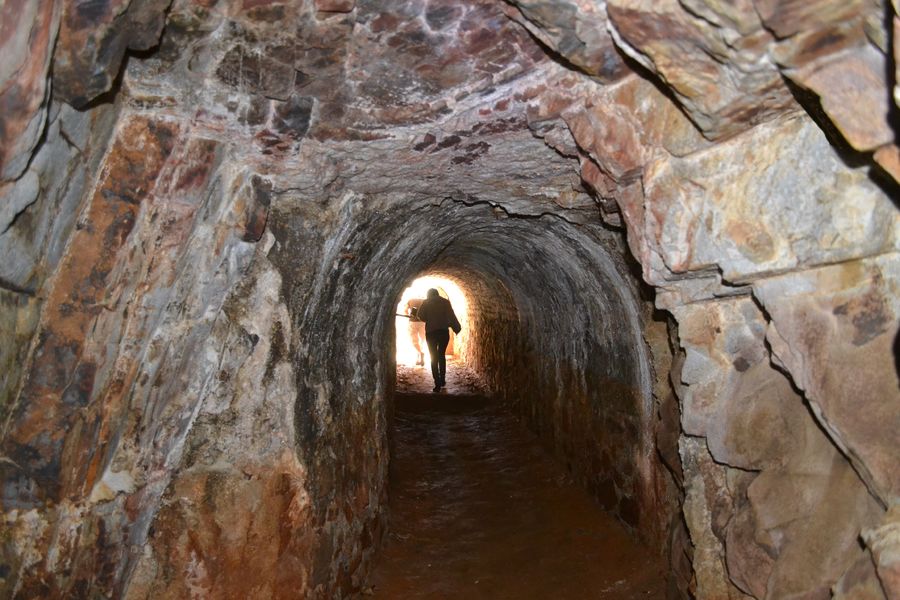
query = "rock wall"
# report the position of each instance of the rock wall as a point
(200, 264)
(769, 229)
(561, 342)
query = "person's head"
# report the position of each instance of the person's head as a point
(433, 293)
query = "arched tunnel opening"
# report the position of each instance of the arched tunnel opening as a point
(552, 339)
(410, 341)
(555, 331)
(671, 230)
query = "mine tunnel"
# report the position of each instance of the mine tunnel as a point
(674, 226)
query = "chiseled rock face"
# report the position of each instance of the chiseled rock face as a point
(782, 486)
(776, 198)
(814, 501)
(26, 51)
(706, 509)
(93, 39)
(334, 75)
(853, 309)
(725, 373)
(33, 240)
(851, 88)
(884, 542)
(577, 31)
(712, 55)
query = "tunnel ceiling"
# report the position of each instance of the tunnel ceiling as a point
(519, 102)
(424, 98)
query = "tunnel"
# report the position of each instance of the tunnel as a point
(672, 226)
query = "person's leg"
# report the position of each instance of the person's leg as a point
(422, 342)
(433, 339)
(442, 342)
(415, 335)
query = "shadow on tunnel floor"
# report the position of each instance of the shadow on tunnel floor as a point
(461, 380)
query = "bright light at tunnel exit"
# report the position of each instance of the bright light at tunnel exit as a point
(406, 351)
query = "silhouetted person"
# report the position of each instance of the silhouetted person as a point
(416, 328)
(439, 319)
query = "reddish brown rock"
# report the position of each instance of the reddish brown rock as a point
(27, 34)
(697, 57)
(707, 505)
(815, 500)
(788, 17)
(203, 416)
(884, 542)
(60, 384)
(730, 391)
(335, 6)
(888, 158)
(256, 212)
(232, 532)
(749, 564)
(576, 31)
(734, 216)
(851, 88)
(93, 39)
(859, 582)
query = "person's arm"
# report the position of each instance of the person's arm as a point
(422, 313)
(454, 322)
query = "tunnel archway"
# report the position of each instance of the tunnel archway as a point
(410, 341)
(555, 330)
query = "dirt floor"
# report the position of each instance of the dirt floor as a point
(480, 510)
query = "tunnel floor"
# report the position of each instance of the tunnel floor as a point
(480, 510)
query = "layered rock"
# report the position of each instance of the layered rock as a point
(27, 43)
(713, 57)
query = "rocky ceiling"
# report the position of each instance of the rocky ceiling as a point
(445, 81)
(424, 99)
(451, 99)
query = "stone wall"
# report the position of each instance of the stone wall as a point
(762, 214)
(573, 361)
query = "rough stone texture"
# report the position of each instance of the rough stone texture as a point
(794, 490)
(144, 273)
(851, 91)
(35, 238)
(859, 582)
(731, 390)
(771, 213)
(197, 279)
(853, 309)
(712, 55)
(706, 504)
(93, 39)
(23, 79)
(576, 30)
(884, 542)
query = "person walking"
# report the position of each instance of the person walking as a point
(437, 312)
(416, 329)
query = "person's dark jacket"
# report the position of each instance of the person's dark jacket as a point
(438, 314)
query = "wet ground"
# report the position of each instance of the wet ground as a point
(480, 510)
